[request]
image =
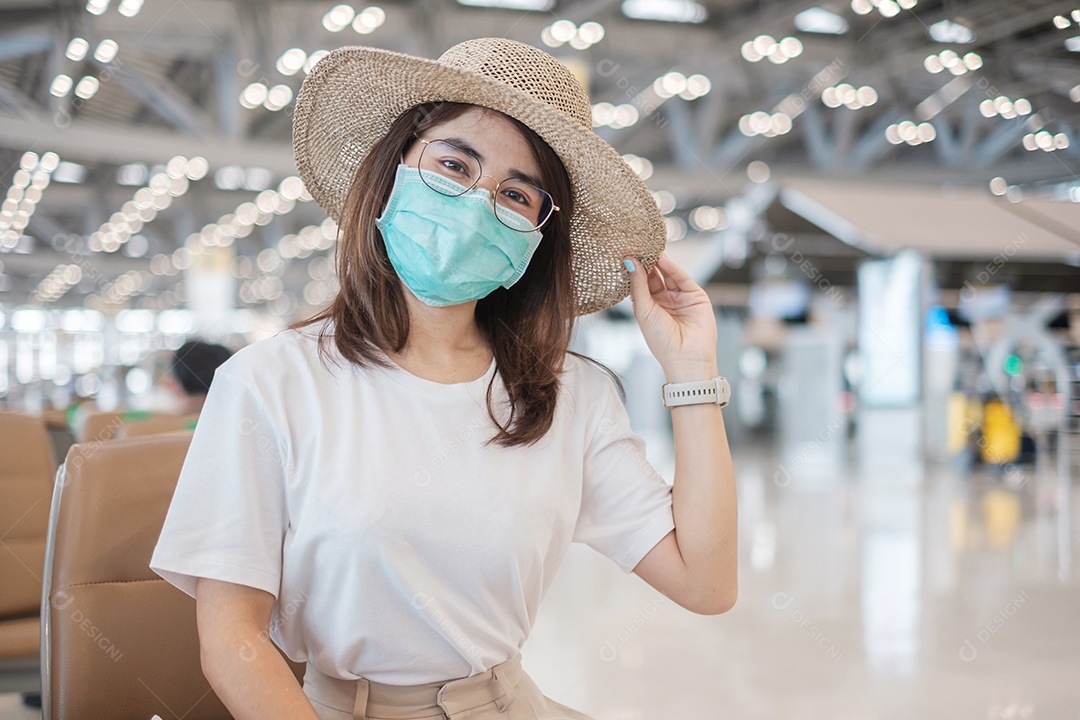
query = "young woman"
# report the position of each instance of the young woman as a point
(387, 490)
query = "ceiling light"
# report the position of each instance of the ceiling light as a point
(61, 85)
(563, 30)
(665, 201)
(758, 171)
(314, 58)
(1061, 22)
(369, 20)
(69, 172)
(529, 5)
(257, 179)
(229, 177)
(591, 32)
(87, 87)
(951, 61)
(132, 174)
(674, 82)
(625, 116)
(197, 168)
(708, 219)
(685, 11)
(763, 123)
(696, 86)
(750, 52)
(291, 61)
(254, 95)
(765, 46)
(641, 166)
(106, 51)
(947, 31)
(1073, 44)
(76, 49)
(130, 8)
(675, 228)
(338, 18)
(278, 97)
(820, 20)
(909, 132)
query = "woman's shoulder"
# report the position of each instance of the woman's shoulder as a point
(584, 376)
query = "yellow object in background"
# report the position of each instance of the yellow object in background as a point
(1001, 434)
(960, 421)
(1001, 511)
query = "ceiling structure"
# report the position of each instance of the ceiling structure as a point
(861, 143)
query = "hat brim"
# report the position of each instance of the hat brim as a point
(354, 94)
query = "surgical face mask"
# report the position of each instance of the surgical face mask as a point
(451, 250)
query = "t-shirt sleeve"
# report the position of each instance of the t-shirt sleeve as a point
(626, 503)
(228, 515)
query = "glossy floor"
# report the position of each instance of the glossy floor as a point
(877, 590)
(874, 589)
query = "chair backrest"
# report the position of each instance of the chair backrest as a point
(99, 426)
(26, 473)
(118, 641)
(157, 425)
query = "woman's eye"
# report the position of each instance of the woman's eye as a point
(454, 166)
(518, 197)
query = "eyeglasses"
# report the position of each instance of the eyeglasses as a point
(515, 202)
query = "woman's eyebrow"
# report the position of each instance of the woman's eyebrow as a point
(514, 173)
(464, 145)
(527, 177)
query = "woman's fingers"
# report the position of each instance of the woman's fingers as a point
(640, 287)
(656, 281)
(676, 277)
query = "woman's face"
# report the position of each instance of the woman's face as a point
(492, 138)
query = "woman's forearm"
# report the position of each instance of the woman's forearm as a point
(703, 496)
(252, 678)
(239, 660)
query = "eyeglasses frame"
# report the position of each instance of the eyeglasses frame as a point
(494, 195)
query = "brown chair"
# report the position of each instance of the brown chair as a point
(26, 478)
(99, 426)
(118, 642)
(157, 425)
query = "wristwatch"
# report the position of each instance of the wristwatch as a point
(715, 391)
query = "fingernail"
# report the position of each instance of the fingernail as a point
(629, 264)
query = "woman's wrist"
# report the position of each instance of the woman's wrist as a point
(691, 370)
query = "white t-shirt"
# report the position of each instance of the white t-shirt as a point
(398, 548)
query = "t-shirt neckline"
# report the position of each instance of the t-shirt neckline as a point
(405, 377)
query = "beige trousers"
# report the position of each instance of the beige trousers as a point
(505, 692)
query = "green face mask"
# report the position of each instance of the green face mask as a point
(451, 250)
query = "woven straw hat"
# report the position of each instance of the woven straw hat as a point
(353, 95)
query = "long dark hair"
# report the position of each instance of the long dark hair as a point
(528, 326)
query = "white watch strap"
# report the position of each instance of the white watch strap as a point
(715, 391)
